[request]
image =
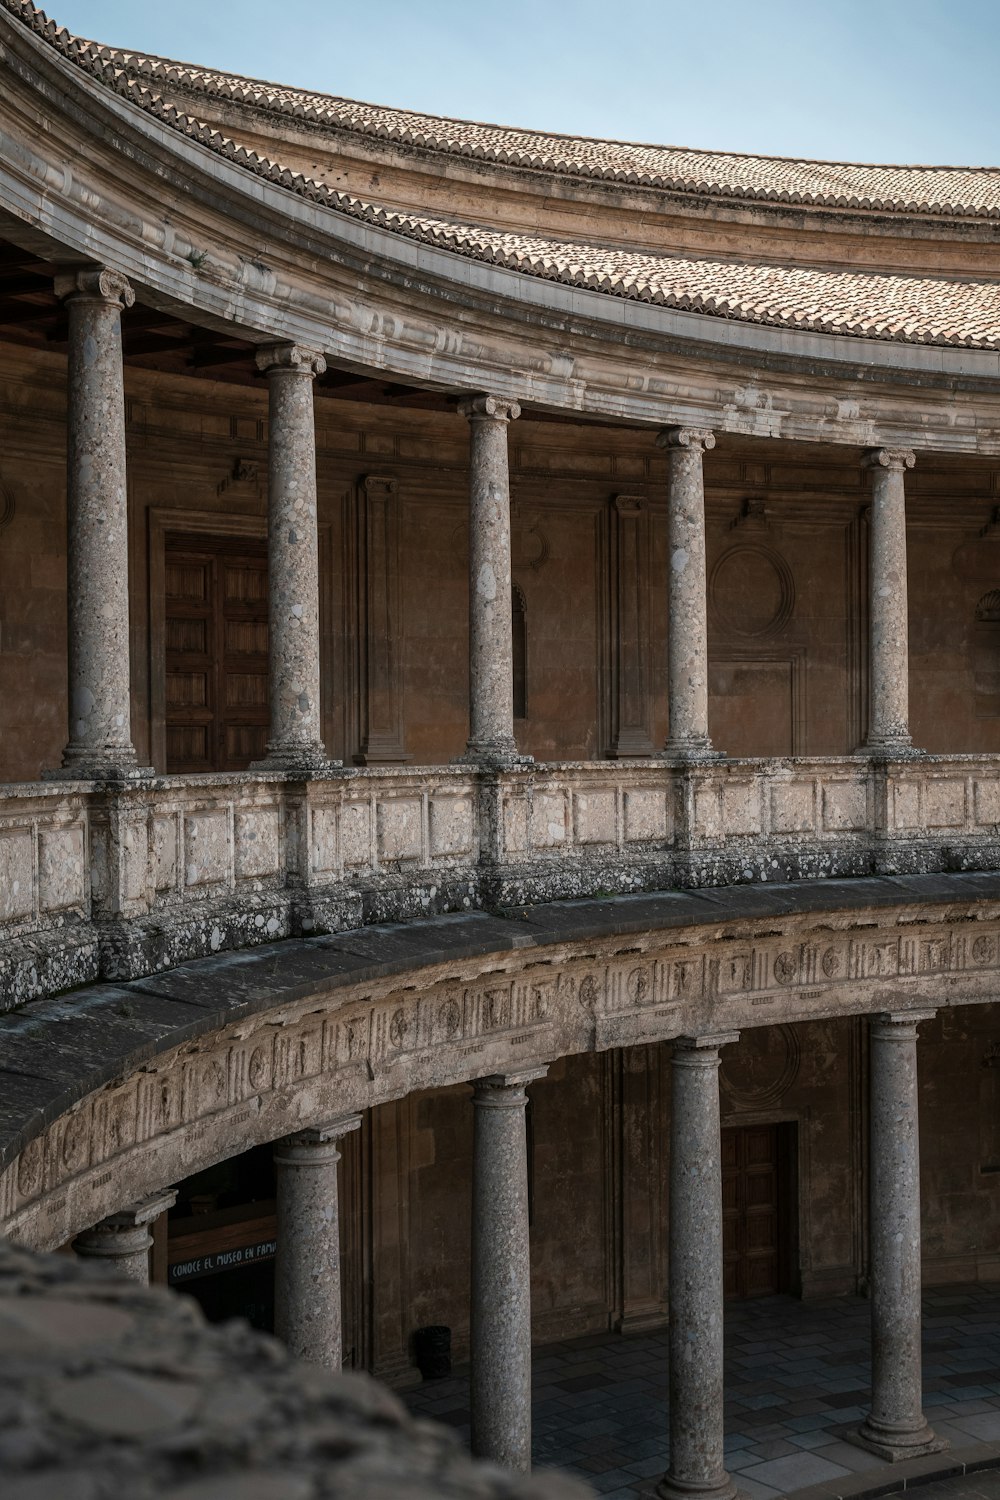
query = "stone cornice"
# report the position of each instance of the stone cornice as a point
(382, 302)
(150, 1081)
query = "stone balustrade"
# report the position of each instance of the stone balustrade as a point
(115, 882)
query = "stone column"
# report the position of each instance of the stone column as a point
(124, 1239)
(100, 733)
(687, 645)
(491, 649)
(500, 1378)
(895, 1427)
(695, 1274)
(295, 741)
(888, 718)
(307, 1304)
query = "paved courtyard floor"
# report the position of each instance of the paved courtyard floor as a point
(796, 1381)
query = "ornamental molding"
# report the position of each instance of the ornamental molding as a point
(96, 284)
(693, 438)
(893, 459)
(489, 408)
(302, 1064)
(291, 359)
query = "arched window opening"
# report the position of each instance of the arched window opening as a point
(520, 652)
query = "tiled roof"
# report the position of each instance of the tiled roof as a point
(918, 309)
(955, 191)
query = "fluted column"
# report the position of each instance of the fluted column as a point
(695, 1274)
(501, 1272)
(100, 731)
(295, 741)
(307, 1298)
(889, 684)
(687, 645)
(124, 1239)
(491, 649)
(895, 1427)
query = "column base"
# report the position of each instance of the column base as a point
(114, 771)
(305, 762)
(901, 749)
(895, 1445)
(670, 1488)
(489, 758)
(691, 752)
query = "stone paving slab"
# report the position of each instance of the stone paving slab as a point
(796, 1386)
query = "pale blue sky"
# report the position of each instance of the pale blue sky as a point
(870, 80)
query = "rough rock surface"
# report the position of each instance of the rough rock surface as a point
(109, 1389)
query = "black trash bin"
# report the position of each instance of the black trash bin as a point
(432, 1347)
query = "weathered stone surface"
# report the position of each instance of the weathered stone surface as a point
(687, 685)
(889, 714)
(307, 1308)
(895, 1427)
(500, 1319)
(246, 1047)
(696, 1317)
(293, 558)
(491, 703)
(112, 1389)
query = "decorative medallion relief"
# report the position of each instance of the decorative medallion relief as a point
(751, 590)
(761, 1069)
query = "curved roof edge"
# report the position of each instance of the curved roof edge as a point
(956, 191)
(909, 309)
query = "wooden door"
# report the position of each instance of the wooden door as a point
(216, 653)
(757, 1218)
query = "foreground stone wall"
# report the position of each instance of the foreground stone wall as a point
(111, 1389)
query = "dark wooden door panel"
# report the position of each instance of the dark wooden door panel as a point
(757, 1212)
(217, 709)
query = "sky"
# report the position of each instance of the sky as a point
(850, 80)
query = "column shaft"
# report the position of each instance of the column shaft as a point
(491, 649)
(888, 720)
(895, 1427)
(295, 739)
(124, 1239)
(307, 1296)
(100, 734)
(695, 1275)
(501, 1274)
(687, 645)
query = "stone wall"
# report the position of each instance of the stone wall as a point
(108, 1388)
(787, 563)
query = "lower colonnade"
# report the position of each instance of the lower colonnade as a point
(308, 1311)
(318, 1030)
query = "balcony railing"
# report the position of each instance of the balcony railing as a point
(118, 883)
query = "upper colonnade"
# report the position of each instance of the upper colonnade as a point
(217, 222)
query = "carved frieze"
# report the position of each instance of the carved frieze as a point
(266, 1075)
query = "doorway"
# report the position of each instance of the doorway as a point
(759, 1210)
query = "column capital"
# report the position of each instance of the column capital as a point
(137, 1214)
(701, 438)
(895, 459)
(489, 408)
(95, 283)
(291, 357)
(320, 1135)
(710, 1042)
(900, 1025)
(506, 1090)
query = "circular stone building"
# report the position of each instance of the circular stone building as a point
(528, 726)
